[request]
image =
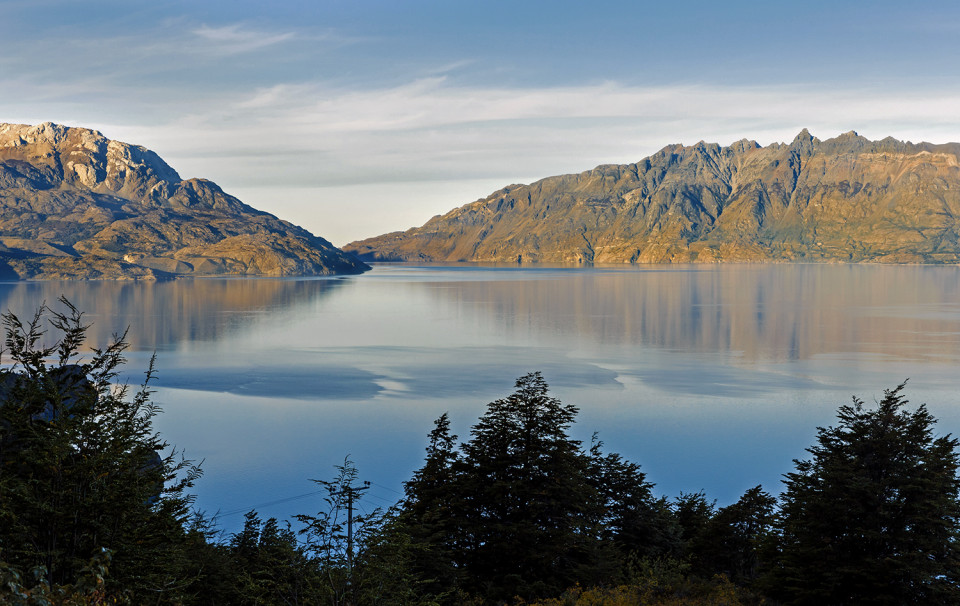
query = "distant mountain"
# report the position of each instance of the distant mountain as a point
(74, 204)
(846, 199)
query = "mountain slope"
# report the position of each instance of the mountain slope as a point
(843, 199)
(74, 204)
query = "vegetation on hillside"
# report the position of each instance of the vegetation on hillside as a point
(94, 510)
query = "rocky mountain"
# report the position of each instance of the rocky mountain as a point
(845, 199)
(74, 204)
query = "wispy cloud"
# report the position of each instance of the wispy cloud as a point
(431, 116)
(431, 128)
(173, 59)
(237, 38)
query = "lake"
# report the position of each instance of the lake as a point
(711, 377)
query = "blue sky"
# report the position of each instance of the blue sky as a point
(353, 118)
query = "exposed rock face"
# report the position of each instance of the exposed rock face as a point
(74, 204)
(845, 199)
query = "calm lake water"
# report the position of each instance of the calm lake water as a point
(712, 378)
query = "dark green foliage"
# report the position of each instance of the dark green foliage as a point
(872, 517)
(732, 541)
(693, 511)
(390, 569)
(521, 510)
(632, 522)
(81, 469)
(215, 579)
(427, 521)
(270, 566)
(525, 504)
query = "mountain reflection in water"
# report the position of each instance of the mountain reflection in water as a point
(775, 312)
(161, 315)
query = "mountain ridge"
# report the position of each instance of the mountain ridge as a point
(74, 204)
(845, 199)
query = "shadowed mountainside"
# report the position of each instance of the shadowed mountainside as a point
(74, 204)
(845, 199)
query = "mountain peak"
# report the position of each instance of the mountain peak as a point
(75, 204)
(836, 200)
(804, 142)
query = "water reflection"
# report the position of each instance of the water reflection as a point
(162, 315)
(763, 312)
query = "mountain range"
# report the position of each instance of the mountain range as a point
(74, 204)
(846, 199)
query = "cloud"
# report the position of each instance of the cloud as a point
(431, 104)
(315, 134)
(235, 38)
(429, 127)
(272, 97)
(169, 62)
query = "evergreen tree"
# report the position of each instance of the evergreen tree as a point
(81, 465)
(270, 567)
(392, 570)
(521, 510)
(525, 505)
(216, 577)
(427, 518)
(692, 513)
(732, 541)
(632, 522)
(872, 517)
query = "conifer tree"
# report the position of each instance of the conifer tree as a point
(872, 517)
(733, 540)
(429, 514)
(521, 510)
(633, 522)
(270, 566)
(528, 507)
(82, 469)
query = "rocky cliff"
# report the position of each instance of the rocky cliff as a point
(845, 199)
(74, 204)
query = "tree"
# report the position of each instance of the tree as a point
(331, 536)
(692, 512)
(425, 522)
(632, 522)
(872, 517)
(81, 464)
(270, 567)
(732, 541)
(521, 510)
(525, 503)
(391, 568)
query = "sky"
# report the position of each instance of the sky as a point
(354, 118)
